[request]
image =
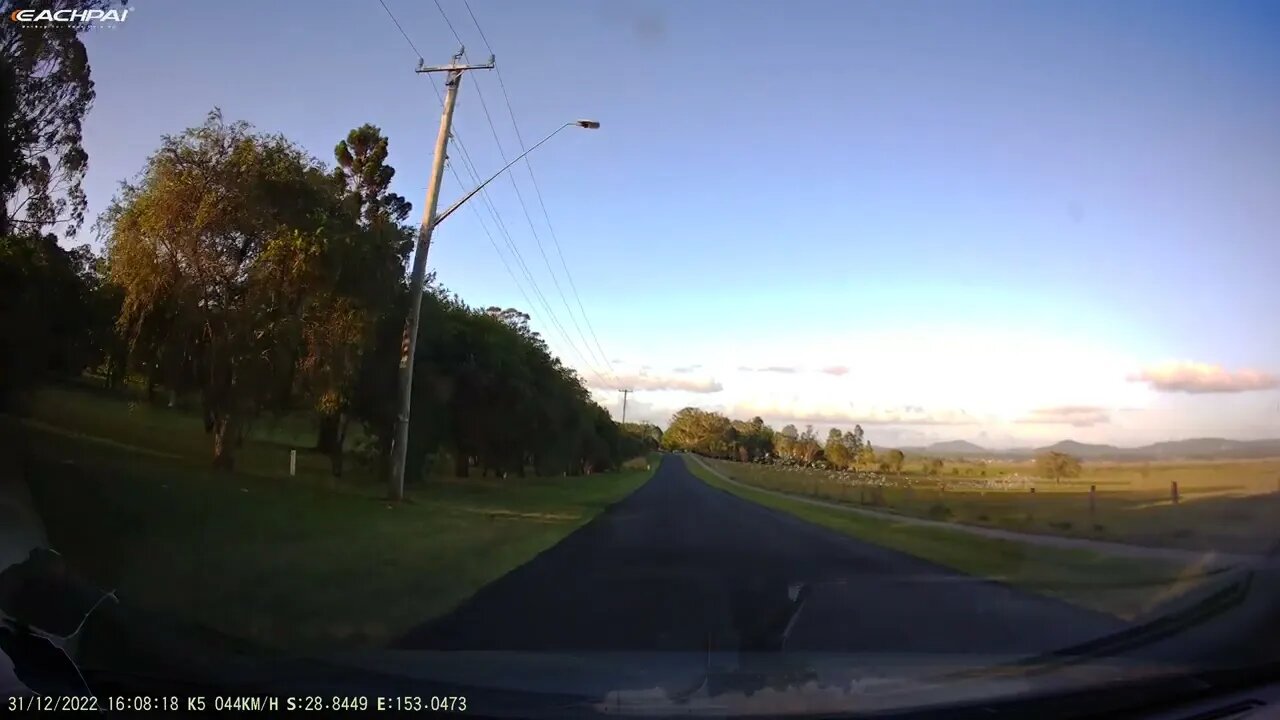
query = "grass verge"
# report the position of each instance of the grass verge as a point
(1123, 587)
(1230, 507)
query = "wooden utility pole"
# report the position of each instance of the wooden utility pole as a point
(624, 404)
(399, 447)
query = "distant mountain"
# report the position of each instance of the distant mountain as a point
(957, 447)
(1084, 451)
(1200, 448)
(1190, 449)
(950, 448)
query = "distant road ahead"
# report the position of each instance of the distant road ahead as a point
(679, 564)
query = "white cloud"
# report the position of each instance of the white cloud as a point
(1195, 377)
(658, 382)
(1073, 415)
(835, 370)
(850, 415)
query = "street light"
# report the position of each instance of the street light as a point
(399, 444)
(587, 124)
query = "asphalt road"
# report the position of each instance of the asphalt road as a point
(679, 566)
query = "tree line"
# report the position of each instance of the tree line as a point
(715, 435)
(247, 277)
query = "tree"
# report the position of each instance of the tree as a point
(368, 275)
(783, 445)
(363, 171)
(489, 395)
(867, 456)
(806, 448)
(699, 431)
(932, 466)
(835, 451)
(233, 238)
(853, 442)
(46, 90)
(895, 458)
(753, 440)
(52, 311)
(1056, 465)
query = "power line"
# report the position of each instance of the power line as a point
(456, 36)
(494, 243)
(401, 29)
(555, 281)
(469, 166)
(541, 202)
(493, 211)
(524, 207)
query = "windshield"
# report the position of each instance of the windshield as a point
(642, 358)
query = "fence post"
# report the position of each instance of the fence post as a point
(1093, 506)
(1173, 491)
(293, 463)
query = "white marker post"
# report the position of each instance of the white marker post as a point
(293, 463)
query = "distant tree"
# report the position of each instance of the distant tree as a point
(835, 451)
(783, 445)
(699, 431)
(807, 447)
(867, 456)
(1056, 465)
(854, 442)
(895, 458)
(932, 466)
(789, 431)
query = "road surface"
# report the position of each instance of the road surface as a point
(681, 566)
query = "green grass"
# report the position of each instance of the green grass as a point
(97, 416)
(1224, 506)
(1126, 588)
(294, 564)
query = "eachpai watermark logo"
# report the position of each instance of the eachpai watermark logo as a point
(85, 18)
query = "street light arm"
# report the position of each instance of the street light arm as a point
(449, 210)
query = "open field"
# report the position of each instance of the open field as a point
(289, 563)
(1227, 506)
(1124, 587)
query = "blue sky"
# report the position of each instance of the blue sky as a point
(1006, 221)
